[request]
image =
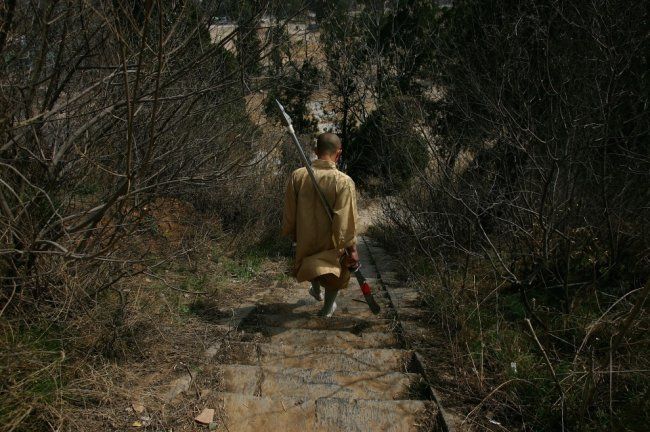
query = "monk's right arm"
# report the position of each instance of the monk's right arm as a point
(352, 258)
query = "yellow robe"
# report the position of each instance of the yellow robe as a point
(319, 243)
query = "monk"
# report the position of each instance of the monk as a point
(321, 245)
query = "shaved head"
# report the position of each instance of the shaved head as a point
(327, 144)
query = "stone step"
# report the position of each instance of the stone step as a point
(305, 320)
(332, 338)
(236, 412)
(334, 415)
(244, 413)
(271, 381)
(355, 306)
(322, 358)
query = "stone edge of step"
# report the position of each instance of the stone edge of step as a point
(405, 356)
(253, 374)
(417, 407)
(280, 370)
(290, 402)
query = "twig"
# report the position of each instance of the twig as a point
(628, 321)
(173, 287)
(13, 291)
(192, 379)
(550, 366)
(548, 361)
(490, 395)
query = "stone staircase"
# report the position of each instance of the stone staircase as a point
(295, 371)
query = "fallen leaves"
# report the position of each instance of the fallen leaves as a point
(137, 407)
(206, 417)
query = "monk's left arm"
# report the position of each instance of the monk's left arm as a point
(289, 212)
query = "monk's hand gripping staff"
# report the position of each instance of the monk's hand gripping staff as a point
(363, 283)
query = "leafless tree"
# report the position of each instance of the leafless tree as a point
(106, 106)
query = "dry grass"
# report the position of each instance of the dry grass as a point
(85, 372)
(496, 370)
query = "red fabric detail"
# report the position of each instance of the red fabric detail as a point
(365, 288)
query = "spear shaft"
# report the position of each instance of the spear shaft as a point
(305, 162)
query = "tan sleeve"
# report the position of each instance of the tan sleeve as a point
(344, 226)
(289, 212)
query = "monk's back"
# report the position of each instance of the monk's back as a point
(313, 227)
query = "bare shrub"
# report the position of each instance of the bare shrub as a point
(106, 108)
(532, 213)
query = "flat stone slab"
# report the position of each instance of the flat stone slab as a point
(304, 384)
(333, 338)
(243, 413)
(368, 415)
(324, 358)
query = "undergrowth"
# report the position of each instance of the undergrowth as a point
(529, 369)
